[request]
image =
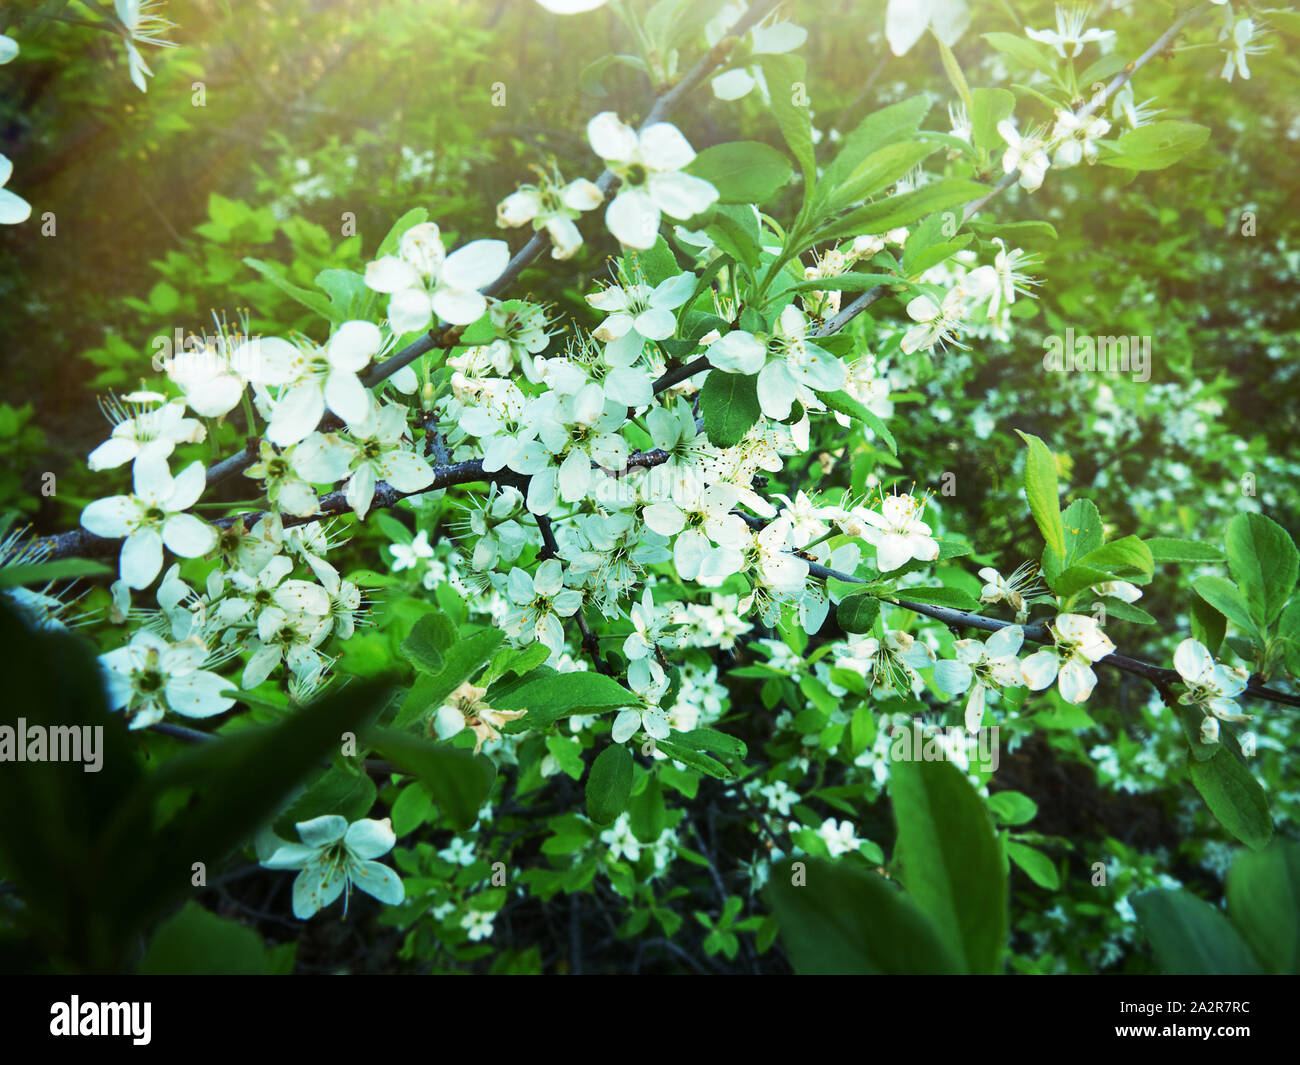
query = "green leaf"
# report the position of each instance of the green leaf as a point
(1192, 938)
(1234, 796)
(43, 572)
(949, 597)
(609, 784)
(903, 209)
(350, 793)
(1028, 53)
(729, 403)
(1012, 807)
(1264, 902)
(1103, 69)
(787, 83)
(1117, 608)
(743, 171)
(473, 647)
(647, 815)
(347, 292)
(429, 638)
(846, 404)
(1043, 494)
(1079, 578)
(1156, 146)
(1223, 595)
(846, 921)
(311, 300)
(694, 759)
(457, 780)
(1036, 865)
(657, 263)
(725, 747)
(1128, 556)
(989, 107)
(952, 865)
(1208, 625)
(164, 299)
(953, 69)
(1083, 531)
(890, 125)
(847, 282)
(1165, 549)
(197, 942)
(878, 171)
(735, 231)
(552, 696)
(858, 613)
(1264, 563)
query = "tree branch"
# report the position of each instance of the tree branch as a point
(1157, 675)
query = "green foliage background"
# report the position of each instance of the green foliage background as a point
(314, 110)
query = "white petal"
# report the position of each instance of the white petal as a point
(141, 558)
(188, 536)
(776, 389)
(187, 487)
(476, 265)
(610, 138)
(13, 208)
(297, 413)
(369, 838)
(376, 879)
(459, 306)
(199, 694)
(738, 352)
(633, 218)
(347, 397)
(1077, 681)
(681, 195)
(353, 345)
(390, 274)
(406, 471)
(905, 22)
(1039, 670)
(625, 726)
(111, 517)
(409, 311)
(664, 148)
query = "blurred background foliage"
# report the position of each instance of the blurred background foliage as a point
(277, 121)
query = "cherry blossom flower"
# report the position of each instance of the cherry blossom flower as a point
(899, 533)
(327, 377)
(1211, 685)
(552, 207)
(1069, 37)
(149, 676)
(1079, 643)
(422, 280)
(334, 856)
(980, 667)
(144, 420)
(466, 708)
(649, 165)
(153, 515)
(1025, 154)
(213, 377)
(13, 208)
